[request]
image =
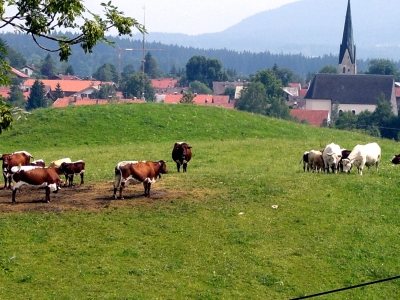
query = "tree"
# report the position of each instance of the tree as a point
(253, 98)
(381, 67)
(48, 68)
(69, 70)
(6, 119)
(58, 93)
(199, 88)
(273, 85)
(16, 97)
(187, 98)
(278, 109)
(137, 83)
(106, 91)
(383, 111)
(284, 74)
(151, 66)
(36, 97)
(205, 70)
(230, 91)
(107, 72)
(328, 69)
(128, 70)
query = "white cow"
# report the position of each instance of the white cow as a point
(363, 155)
(331, 156)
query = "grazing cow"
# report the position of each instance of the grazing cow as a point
(71, 169)
(145, 172)
(345, 154)
(331, 156)
(55, 164)
(395, 159)
(37, 163)
(38, 177)
(363, 155)
(181, 154)
(305, 161)
(315, 161)
(11, 160)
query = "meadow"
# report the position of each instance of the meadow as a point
(211, 233)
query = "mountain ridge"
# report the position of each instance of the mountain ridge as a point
(309, 27)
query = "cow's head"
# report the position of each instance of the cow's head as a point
(182, 150)
(163, 167)
(395, 159)
(347, 163)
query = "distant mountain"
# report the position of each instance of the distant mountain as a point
(309, 27)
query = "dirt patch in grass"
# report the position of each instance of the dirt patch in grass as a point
(95, 196)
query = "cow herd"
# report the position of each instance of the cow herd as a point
(18, 169)
(334, 158)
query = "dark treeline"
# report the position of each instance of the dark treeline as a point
(131, 52)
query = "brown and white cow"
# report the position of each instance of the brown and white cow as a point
(55, 164)
(71, 169)
(18, 158)
(135, 172)
(36, 177)
(181, 154)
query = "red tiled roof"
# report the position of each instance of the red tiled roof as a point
(397, 91)
(68, 85)
(201, 99)
(19, 73)
(303, 92)
(313, 117)
(163, 83)
(68, 77)
(4, 92)
(66, 101)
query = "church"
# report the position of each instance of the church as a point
(349, 90)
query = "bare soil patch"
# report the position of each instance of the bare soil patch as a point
(91, 196)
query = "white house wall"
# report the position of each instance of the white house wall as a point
(315, 104)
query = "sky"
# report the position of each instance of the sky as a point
(189, 16)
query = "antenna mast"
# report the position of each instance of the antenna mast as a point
(143, 47)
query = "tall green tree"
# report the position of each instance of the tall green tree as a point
(69, 70)
(199, 88)
(205, 70)
(16, 97)
(328, 69)
(6, 119)
(187, 98)
(284, 74)
(48, 67)
(37, 97)
(151, 67)
(136, 84)
(58, 93)
(106, 72)
(273, 84)
(382, 67)
(253, 98)
(128, 70)
(106, 91)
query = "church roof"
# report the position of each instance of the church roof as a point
(351, 89)
(348, 41)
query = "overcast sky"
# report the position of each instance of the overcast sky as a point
(189, 16)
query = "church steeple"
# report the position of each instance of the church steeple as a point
(347, 55)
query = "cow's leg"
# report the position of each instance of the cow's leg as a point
(13, 196)
(178, 166)
(5, 180)
(47, 194)
(9, 182)
(71, 179)
(121, 189)
(82, 177)
(147, 186)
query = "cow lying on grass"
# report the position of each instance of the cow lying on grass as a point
(135, 172)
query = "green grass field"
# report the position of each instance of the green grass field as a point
(215, 235)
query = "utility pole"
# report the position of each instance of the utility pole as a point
(143, 49)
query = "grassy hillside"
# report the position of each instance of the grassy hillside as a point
(214, 233)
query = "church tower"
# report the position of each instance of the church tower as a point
(347, 55)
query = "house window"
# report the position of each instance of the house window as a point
(340, 111)
(344, 70)
(353, 111)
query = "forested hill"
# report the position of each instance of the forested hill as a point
(244, 62)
